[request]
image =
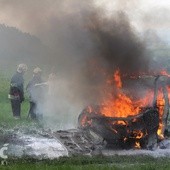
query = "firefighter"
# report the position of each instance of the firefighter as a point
(16, 92)
(35, 91)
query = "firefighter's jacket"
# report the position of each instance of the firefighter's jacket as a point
(16, 91)
(35, 91)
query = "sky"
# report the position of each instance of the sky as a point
(36, 16)
(144, 14)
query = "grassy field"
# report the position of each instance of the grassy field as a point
(91, 163)
(72, 163)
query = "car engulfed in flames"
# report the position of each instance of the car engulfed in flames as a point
(138, 131)
(125, 123)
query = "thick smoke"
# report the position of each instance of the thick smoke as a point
(95, 46)
(118, 47)
(86, 47)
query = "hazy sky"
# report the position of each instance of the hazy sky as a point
(153, 14)
(32, 15)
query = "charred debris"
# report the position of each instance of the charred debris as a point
(96, 131)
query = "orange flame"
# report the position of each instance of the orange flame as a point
(118, 79)
(137, 145)
(122, 105)
(160, 104)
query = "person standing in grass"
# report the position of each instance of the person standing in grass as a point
(16, 92)
(35, 90)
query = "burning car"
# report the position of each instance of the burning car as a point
(124, 123)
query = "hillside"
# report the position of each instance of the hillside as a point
(17, 47)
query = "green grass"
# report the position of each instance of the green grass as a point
(91, 163)
(6, 117)
(85, 167)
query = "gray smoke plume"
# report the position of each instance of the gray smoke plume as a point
(118, 46)
(92, 48)
(86, 47)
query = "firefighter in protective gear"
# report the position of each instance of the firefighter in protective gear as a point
(16, 92)
(35, 94)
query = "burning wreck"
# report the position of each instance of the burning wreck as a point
(123, 123)
(119, 124)
(126, 117)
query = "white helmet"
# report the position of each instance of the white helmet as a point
(37, 70)
(22, 68)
